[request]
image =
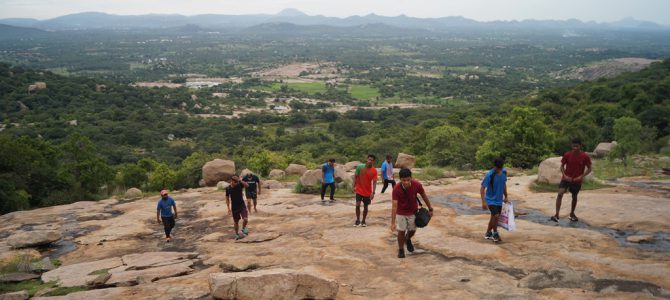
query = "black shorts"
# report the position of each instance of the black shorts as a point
(495, 209)
(251, 195)
(366, 200)
(569, 186)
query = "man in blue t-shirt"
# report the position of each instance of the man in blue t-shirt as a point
(494, 187)
(387, 173)
(164, 213)
(328, 179)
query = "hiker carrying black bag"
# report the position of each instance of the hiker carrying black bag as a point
(405, 210)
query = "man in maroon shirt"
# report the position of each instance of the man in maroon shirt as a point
(403, 209)
(572, 166)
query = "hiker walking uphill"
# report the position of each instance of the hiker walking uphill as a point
(164, 213)
(328, 179)
(365, 185)
(573, 164)
(494, 187)
(238, 209)
(253, 189)
(403, 209)
(387, 174)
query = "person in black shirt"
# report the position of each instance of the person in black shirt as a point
(253, 190)
(238, 209)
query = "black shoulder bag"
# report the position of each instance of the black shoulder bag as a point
(422, 216)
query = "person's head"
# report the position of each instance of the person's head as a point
(405, 177)
(331, 161)
(164, 194)
(576, 144)
(249, 174)
(498, 164)
(388, 158)
(371, 160)
(234, 179)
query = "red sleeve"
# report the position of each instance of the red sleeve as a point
(375, 174)
(419, 189)
(587, 159)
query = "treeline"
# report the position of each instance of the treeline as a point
(129, 137)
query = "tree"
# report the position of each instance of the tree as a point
(264, 161)
(523, 139)
(87, 170)
(627, 132)
(131, 175)
(447, 145)
(190, 171)
(162, 177)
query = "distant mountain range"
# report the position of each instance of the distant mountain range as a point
(96, 20)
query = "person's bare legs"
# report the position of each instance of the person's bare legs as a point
(559, 200)
(574, 205)
(255, 201)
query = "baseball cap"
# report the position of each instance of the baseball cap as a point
(164, 192)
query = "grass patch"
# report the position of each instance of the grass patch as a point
(541, 187)
(363, 92)
(637, 166)
(340, 192)
(36, 285)
(99, 272)
(290, 178)
(307, 87)
(429, 173)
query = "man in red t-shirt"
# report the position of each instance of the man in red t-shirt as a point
(403, 209)
(572, 166)
(365, 186)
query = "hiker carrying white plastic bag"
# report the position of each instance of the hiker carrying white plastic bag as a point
(506, 219)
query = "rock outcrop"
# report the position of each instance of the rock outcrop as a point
(295, 169)
(271, 284)
(405, 161)
(25, 239)
(217, 170)
(277, 174)
(604, 148)
(133, 193)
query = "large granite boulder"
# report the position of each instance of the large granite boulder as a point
(351, 165)
(25, 239)
(245, 172)
(217, 170)
(604, 148)
(311, 177)
(405, 161)
(277, 174)
(134, 193)
(271, 284)
(272, 184)
(294, 169)
(550, 171)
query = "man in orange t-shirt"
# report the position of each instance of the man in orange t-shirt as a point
(365, 186)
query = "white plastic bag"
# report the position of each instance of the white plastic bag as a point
(506, 219)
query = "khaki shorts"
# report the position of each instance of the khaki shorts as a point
(405, 223)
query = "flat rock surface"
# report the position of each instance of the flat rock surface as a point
(587, 259)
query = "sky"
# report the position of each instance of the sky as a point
(480, 10)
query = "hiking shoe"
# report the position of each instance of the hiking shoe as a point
(554, 218)
(496, 237)
(401, 253)
(364, 225)
(245, 230)
(409, 245)
(573, 218)
(332, 200)
(489, 235)
(323, 200)
(358, 223)
(237, 237)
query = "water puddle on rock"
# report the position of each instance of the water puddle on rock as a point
(464, 205)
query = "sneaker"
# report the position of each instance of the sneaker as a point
(554, 218)
(323, 200)
(409, 245)
(237, 237)
(489, 235)
(573, 218)
(358, 223)
(401, 253)
(245, 230)
(364, 225)
(332, 200)
(496, 237)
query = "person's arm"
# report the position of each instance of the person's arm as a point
(244, 184)
(323, 175)
(482, 192)
(174, 206)
(394, 209)
(505, 192)
(158, 215)
(258, 183)
(374, 189)
(425, 199)
(383, 169)
(353, 186)
(228, 203)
